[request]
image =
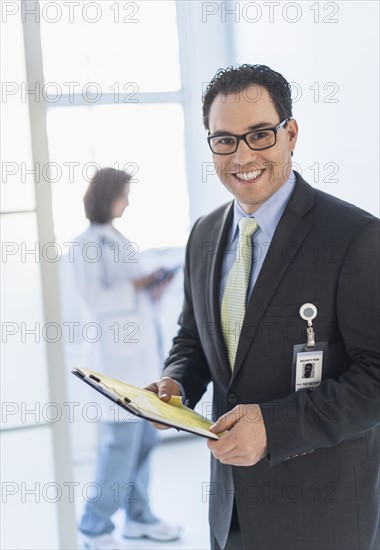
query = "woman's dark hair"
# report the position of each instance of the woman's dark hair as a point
(107, 185)
(236, 79)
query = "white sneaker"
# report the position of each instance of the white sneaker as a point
(101, 542)
(160, 531)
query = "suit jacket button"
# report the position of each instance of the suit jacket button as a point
(232, 397)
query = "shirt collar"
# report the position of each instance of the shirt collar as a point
(268, 214)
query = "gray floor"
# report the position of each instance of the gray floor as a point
(180, 473)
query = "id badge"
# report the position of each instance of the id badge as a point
(307, 366)
(307, 371)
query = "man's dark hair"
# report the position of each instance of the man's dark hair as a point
(107, 185)
(236, 79)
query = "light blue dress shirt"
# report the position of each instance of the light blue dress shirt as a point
(267, 216)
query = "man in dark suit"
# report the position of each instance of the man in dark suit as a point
(299, 469)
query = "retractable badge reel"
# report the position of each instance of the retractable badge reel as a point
(308, 312)
(308, 357)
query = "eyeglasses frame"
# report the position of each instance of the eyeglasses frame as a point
(243, 137)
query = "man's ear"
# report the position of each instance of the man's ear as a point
(292, 133)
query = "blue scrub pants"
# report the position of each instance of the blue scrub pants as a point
(122, 477)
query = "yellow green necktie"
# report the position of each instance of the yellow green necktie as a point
(235, 292)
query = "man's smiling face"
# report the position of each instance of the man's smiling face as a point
(251, 176)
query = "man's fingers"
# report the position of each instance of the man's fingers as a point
(159, 426)
(151, 387)
(223, 448)
(226, 421)
(162, 391)
(164, 388)
(154, 388)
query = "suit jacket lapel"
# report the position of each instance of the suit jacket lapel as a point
(291, 230)
(219, 239)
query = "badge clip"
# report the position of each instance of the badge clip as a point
(308, 312)
(310, 341)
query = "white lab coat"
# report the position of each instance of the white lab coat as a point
(125, 338)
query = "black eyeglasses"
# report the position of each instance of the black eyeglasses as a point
(264, 138)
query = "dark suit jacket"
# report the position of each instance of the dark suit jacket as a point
(318, 488)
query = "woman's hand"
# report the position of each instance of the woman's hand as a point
(155, 282)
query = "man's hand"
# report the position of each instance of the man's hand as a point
(164, 388)
(245, 443)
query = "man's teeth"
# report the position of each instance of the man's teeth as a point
(246, 176)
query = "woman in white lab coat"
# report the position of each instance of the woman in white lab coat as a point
(119, 299)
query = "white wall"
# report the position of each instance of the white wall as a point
(339, 125)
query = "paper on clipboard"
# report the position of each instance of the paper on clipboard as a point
(146, 404)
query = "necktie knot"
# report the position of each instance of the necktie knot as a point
(247, 227)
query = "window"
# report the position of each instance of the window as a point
(113, 90)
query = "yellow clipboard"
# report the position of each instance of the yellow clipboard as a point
(146, 404)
